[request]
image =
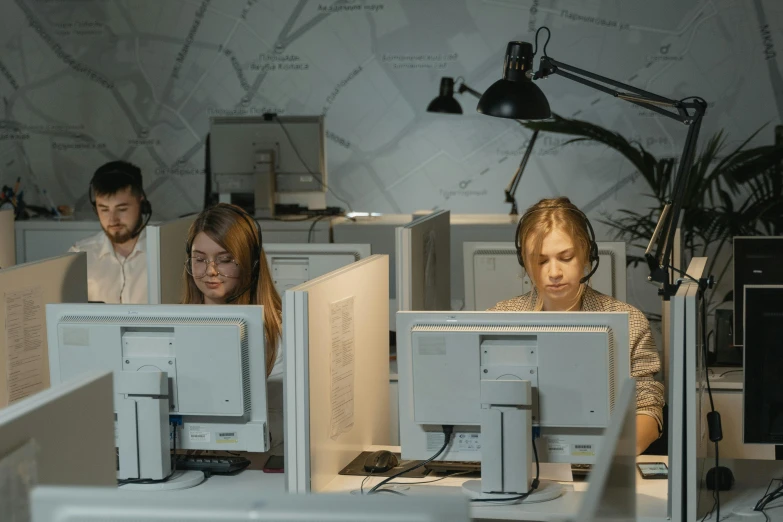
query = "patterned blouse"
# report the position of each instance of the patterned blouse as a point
(645, 362)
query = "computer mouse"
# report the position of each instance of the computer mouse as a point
(380, 461)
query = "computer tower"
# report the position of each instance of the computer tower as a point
(758, 260)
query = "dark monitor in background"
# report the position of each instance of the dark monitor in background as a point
(763, 348)
(725, 352)
(268, 160)
(758, 260)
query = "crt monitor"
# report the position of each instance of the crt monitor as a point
(492, 273)
(292, 264)
(756, 262)
(763, 397)
(100, 504)
(298, 154)
(453, 365)
(212, 356)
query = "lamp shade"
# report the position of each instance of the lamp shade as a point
(515, 95)
(445, 102)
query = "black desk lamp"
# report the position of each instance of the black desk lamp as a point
(445, 103)
(515, 96)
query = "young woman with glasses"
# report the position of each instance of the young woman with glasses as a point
(226, 265)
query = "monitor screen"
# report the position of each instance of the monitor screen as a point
(756, 262)
(763, 397)
(212, 355)
(101, 504)
(292, 264)
(492, 273)
(574, 362)
(297, 144)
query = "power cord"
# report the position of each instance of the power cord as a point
(448, 429)
(713, 417)
(769, 497)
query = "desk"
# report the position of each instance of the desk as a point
(651, 496)
(752, 478)
(726, 379)
(253, 483)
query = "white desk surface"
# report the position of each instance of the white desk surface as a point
(253, 483)
(651, 496)
(726, 379)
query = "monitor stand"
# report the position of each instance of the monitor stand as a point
(180, 480)
(546, 490)
(506, 428)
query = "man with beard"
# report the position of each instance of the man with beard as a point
(116, 258)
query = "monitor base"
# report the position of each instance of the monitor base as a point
(547, 490)
(180, 480)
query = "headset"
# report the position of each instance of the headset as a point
(593, 257)
(257, 248)
(133, 173)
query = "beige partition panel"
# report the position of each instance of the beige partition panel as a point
(346, 337)
(72, 427)
(7, 241)
(165, 258)
(424, 264)
(26, 290)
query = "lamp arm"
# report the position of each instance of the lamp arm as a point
(511, 189)
(640, 97)
(464, 88)
(663, 237)
(668, 221)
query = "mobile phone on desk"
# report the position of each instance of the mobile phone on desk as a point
(275, 464)
(653, 470)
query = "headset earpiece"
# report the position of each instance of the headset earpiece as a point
(592, 254)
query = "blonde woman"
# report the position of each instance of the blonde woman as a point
(555, 245)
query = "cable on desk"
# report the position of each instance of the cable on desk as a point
(448, 429)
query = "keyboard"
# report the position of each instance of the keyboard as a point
(212, 465)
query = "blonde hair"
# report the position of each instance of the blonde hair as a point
(539, 221)
(233, 229)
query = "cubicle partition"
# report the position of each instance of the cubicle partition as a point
(27, 289)
(7, 245)
(165, 257)
(688, 403)
(64, 435)
(335, 332)
(423, 263)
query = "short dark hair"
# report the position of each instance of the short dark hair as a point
(115, 176)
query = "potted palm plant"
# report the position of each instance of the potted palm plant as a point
(729, 193)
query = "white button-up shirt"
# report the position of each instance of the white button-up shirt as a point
(112, 278)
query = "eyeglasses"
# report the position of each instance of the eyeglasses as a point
(224, 265)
